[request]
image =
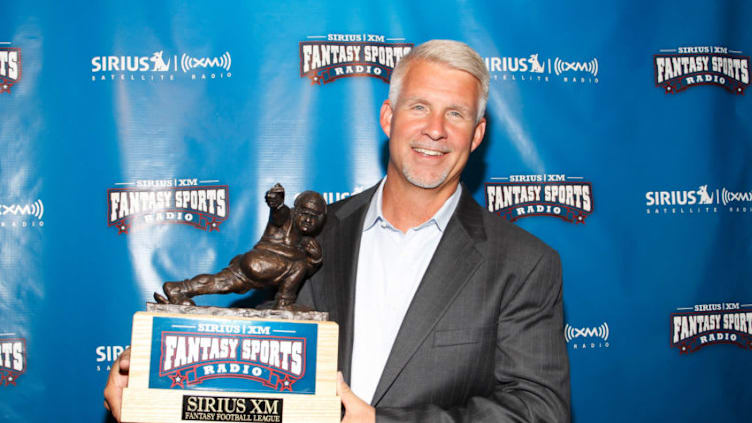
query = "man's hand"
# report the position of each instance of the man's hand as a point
(356, 410)
(113, 392)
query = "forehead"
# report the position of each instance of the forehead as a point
(433, 81)
(311, 204)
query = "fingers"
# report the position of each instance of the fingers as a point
(125, 361)
(356, 410)
(117, 380)
(113, 396)
(342, 387)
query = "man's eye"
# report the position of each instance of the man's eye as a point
(455, 114)
(419, 107)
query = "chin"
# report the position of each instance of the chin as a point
(427, 185)
(425, 182)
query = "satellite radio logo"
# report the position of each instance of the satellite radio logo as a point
(189, 63)
(326, 58)
(701, 200)
(587, 337)
(22, 214)
(535, 67)
(12, 359)
(568, 198)
(10, 67)
(711, 324)
(684, 67)
(184, 201)
(159, 66)
(562, 67)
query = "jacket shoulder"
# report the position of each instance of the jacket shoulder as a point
(341, 209)
(504, 239)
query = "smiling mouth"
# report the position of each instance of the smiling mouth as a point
(428, 152)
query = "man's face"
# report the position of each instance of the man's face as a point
(432, 128)
(309, 215)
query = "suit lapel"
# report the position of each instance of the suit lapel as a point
(346, 247)
(443, 280)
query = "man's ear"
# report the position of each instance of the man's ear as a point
(478, 133)
(385, 117)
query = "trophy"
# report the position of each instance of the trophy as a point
(275, 364)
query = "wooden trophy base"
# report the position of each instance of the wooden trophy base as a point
(203, 367)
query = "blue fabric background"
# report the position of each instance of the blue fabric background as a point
(70, 287)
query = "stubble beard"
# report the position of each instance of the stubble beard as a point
(424, 182)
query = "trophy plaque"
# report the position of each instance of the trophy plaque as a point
(201, 367)
(207, 364)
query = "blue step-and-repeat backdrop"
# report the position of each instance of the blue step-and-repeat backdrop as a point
(137, 140)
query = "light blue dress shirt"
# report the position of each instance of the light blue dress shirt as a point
(391, 265)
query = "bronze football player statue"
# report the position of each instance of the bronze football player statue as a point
(285, 255)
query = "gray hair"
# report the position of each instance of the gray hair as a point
(454, 54)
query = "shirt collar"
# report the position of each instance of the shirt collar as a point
(440, 218)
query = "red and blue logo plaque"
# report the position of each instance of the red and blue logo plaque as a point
(194, 367)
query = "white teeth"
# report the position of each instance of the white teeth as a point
(428, 152)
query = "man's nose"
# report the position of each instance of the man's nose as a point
(435, 126)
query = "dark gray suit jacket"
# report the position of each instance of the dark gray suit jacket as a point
(483, 337)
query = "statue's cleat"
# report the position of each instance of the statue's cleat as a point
(175, 294)
(290, 305)
(160, 299)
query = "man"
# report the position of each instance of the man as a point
(446, 313)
